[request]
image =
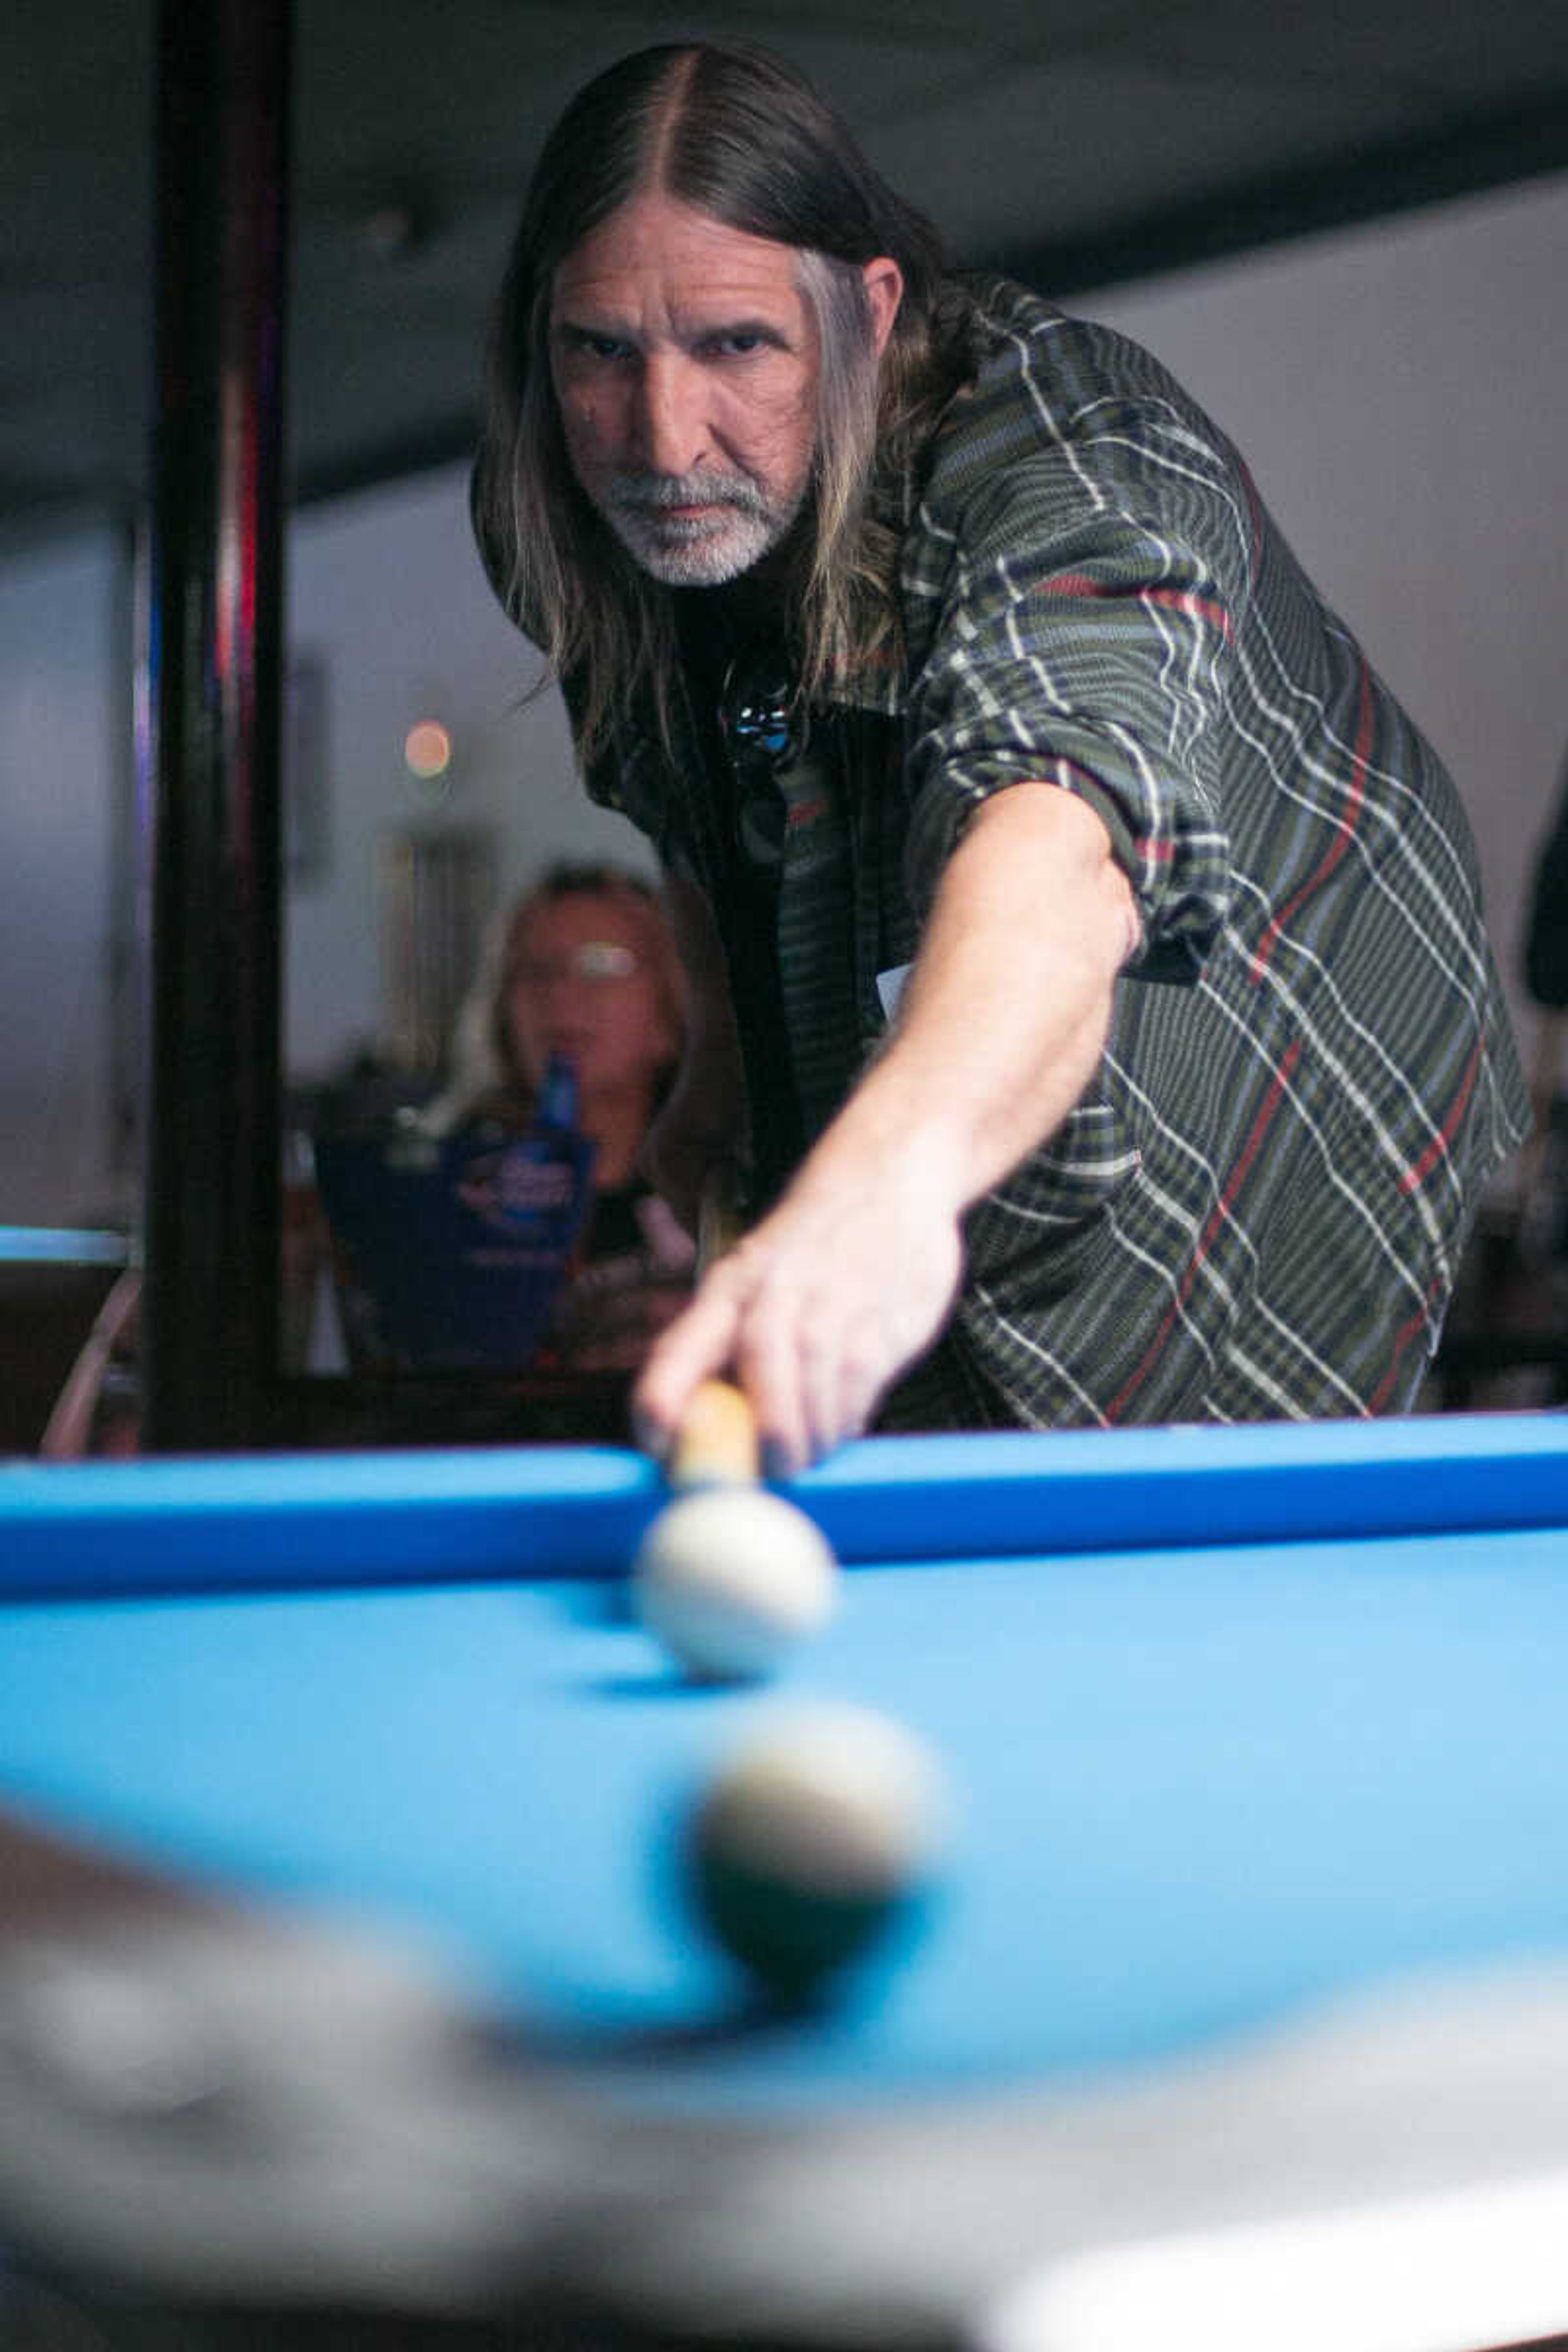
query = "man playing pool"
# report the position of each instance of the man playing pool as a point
(1085, 950)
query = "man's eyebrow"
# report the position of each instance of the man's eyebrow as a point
(588, 322)
(564, 323)
(767, 331)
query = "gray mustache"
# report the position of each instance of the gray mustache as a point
(652, 493)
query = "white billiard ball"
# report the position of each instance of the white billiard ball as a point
(819, 1835)
(729, 1579)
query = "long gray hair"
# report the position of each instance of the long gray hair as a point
(740, 136)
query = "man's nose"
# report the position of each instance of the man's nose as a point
(673, 424)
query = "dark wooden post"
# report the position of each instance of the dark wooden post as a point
(209, 780)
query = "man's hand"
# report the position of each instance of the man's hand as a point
(1001, 1028)
(816, 1310)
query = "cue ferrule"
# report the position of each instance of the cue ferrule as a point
(717, 1444)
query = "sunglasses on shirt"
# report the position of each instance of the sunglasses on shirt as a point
(765, 729)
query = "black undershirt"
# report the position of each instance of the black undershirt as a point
(746, 902)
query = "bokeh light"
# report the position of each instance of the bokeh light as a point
(427, 749)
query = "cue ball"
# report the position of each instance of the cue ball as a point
(814, 1840)
(730, 1578)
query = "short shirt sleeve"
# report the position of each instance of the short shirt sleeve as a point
(1082, 614)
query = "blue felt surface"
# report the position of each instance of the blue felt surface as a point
(1197, 1789)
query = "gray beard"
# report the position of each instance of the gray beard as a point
(690, 551)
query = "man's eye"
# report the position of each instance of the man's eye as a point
(739, 344)
(581, 342)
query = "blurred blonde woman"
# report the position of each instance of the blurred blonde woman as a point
(584, 965)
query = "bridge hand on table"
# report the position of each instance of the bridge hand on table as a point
(815, 1312)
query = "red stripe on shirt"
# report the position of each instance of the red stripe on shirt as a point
(1178, 599)
(1212, 1223)
(1345, 824)
(1196, 608)
(1419, 1169)
(1410, 1329)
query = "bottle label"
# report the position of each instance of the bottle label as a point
(456, 1260)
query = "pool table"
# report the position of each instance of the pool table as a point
(346, 1965)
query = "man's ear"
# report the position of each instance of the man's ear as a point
(884, 284)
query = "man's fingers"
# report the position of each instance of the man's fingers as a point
(814, 1373)
(828, 1396)
(767, 1364)
(803, 1315)
(698, 1344)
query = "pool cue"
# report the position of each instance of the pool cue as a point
(717, 1442)
(716, 1446)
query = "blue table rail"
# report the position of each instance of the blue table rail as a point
(274, 1521)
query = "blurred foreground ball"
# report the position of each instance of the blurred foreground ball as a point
(818, 1836)
(729, 1579)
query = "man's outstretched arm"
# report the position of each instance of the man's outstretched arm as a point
(852, 1275)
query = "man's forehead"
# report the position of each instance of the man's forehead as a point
(657, 245)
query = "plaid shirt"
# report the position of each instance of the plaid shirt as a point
(1257, 1208)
